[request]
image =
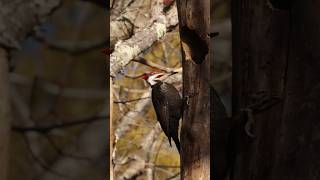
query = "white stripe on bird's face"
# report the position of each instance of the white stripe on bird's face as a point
(154, 79)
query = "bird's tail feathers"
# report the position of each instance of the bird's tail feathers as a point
(169, 138)
(176, 140)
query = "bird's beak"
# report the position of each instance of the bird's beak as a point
(172, 73)
(167, 75)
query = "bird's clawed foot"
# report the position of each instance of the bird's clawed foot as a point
(261, 102)
(249, 126)
(189, 95)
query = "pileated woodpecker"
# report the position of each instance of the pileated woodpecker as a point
(167, 104)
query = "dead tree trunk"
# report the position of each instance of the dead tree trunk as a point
(194, 22)
(276, 57)
(4, 114)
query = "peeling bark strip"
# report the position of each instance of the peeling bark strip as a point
(193, 45)
(194, 20)
(125, 51)
(19, 17)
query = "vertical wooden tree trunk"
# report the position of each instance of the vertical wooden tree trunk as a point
(110, 133)
(4, 114)
(276, 54)
(194, 23)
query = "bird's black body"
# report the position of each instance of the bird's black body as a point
(167, 103)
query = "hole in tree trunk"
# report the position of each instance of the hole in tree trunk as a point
(281, 4)
(197, 47)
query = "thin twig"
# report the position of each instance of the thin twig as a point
(61, 152)
(131, 100)
(40, 162)
(174, 176)
(48, 128)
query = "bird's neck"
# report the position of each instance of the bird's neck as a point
(156, 83)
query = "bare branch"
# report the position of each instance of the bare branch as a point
(71, 47)
(60, 151)
(138, 167)
(134, 76)
(129, 90)
(91, 136)
(56, 89)
(174, 176)
(40, 162)
(127, 50)
(18, 18)
(131, 100)
(123, 126)
(153, 65)
(48, 128)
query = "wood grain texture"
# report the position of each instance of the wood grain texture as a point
(275, 52)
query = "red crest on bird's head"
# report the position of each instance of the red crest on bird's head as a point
(145, 76)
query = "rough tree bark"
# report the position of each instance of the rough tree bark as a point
(276, 54)
(194, 23)
(110, 137)
(5, 114)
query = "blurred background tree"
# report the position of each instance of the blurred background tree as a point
(58, 96)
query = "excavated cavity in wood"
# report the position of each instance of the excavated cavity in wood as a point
(194, 46)
(281, 4)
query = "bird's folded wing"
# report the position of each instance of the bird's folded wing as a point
(161, 106)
